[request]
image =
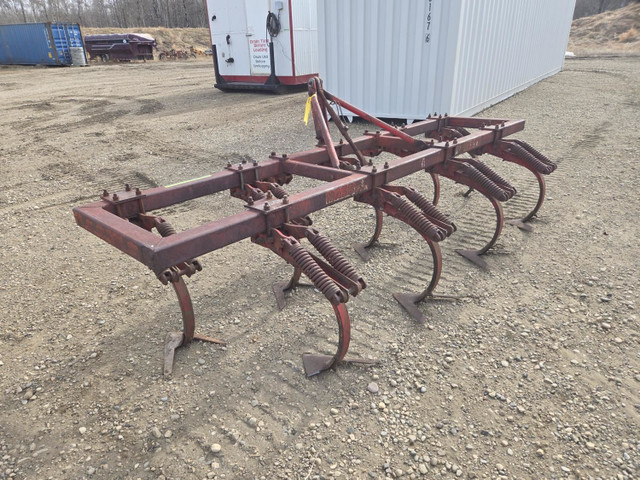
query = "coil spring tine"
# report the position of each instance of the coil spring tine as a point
(277, 190)
(540, 156)
(532, 161)
(334, 256)
(318, 277)
(257, 194)
(164, 228)
(487, 184)
(492, 175)
(429, 210)
(415, 216)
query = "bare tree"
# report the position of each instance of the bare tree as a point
(104, 13)
(24, 15)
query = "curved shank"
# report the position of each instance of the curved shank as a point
(178, 339)
(521, 223)
(436, 188)
(408, 301)
(474, 255)
(361, 248)
(279, 289)
(315, 364)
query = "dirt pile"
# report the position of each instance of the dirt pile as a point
(167, 38)
(617, 30)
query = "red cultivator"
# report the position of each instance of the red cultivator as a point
(279, 222)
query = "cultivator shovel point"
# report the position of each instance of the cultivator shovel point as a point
(450, 147)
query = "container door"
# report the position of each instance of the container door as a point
(61, 43)
(257, 11)
(228, 24)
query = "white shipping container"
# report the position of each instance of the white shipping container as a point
(408, 58)
(240, 42)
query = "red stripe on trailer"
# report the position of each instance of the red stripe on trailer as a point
(293, 56)
(285, 80)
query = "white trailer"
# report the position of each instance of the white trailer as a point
(263, 44)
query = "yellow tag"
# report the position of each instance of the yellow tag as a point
(307, 109)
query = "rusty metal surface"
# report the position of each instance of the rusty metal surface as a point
(450, 147)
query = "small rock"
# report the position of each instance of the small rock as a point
(334, 411)
(504, 363)
(591, 445)
(565, 469)
(499, 467)
(252, 422)
(373, 387)
(82, 430)
(156, 432)
(422, 468)
(433, 462)
(618, 340)
(540, 452)
(91, 471)
(168, 434)
(216, 448)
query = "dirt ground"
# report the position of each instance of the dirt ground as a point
(533, 373)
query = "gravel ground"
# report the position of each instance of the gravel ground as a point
(533, 373)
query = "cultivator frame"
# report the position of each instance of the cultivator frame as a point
(279, 222)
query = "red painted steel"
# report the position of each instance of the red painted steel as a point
(279, 221)
(260, 79)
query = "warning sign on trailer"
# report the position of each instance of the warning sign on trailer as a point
(259, 49)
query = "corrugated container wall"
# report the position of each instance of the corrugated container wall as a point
(409, 58)
(41, 44)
